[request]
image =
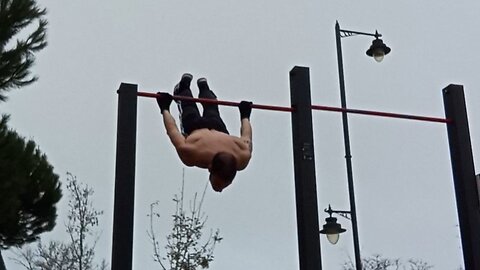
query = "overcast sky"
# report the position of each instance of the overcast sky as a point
(403, 180)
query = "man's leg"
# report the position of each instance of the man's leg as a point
(189, 113)
(210, 111)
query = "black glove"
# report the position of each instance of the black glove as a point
(164, 100)
(245, 109)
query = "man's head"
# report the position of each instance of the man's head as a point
(222, 171)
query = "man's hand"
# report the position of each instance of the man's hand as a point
(164, 100)
(245, 109)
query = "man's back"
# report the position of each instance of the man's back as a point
(201, 146)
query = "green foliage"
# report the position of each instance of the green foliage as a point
(17, 53)
(29, 190)
(78, 253)
(184, 250)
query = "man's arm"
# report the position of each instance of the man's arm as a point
(246, 133)
(245, 108)
(178, 140)
(164, 100)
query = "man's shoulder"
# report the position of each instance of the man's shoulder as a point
(191, 155)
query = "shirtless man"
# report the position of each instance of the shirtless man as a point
(204, 140)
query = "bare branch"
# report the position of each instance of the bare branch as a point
(78, 252)
(183, 249)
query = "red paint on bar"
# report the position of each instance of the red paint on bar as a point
(314, 107)
(383, 114)
(220, 102)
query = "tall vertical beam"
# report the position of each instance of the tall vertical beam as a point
(348, 154)
(304, 169)
(466, 191)
(478, 184)
(122, 242)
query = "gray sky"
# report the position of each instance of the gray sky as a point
(403, 179)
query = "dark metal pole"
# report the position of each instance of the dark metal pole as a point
(304, 168)
(2, 263)
(478, 184)
(466, 191)
(122, 242)
(348, 156)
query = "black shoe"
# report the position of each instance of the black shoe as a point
(202, 84)
(183, 84)
(205, 91)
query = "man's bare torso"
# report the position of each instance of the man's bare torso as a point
(203, 144)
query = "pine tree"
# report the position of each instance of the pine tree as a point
(29, 190)
(17, 54)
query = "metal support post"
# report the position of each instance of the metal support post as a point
(478, 184)
(304, 169)
(466, 191)
(348, 155)
(122, 241)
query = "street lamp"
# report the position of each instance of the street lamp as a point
(377, 50)
(331, 228)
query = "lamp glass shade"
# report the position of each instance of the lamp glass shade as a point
(333, 238)
(378, 55)
(332, 229)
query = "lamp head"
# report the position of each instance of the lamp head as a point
(378, 50)
(332, 229)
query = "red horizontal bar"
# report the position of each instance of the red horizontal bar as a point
(314, 107)
(383, 114)
(220, 102)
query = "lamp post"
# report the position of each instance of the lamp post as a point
(377, 50)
